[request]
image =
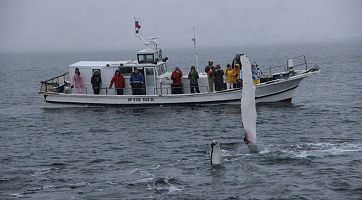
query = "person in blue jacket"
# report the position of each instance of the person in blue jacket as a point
(137, 82)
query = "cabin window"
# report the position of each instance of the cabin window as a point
(141, 58)
(145, 58)
(149, 58)
(126, 71)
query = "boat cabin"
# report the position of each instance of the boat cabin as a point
(149, 62)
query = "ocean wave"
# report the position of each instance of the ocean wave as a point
(98, 130)
(58, 164)
(158, 184)
(41, 171)
(97, 160)
(16, 195)
(45, 187)
(79, 184)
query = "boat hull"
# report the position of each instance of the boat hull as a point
(279, 90)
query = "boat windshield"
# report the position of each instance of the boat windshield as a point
(145, 58)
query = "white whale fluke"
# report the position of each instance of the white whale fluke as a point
(215, 153)
(248, 110)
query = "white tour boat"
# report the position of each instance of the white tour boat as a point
(273, 87)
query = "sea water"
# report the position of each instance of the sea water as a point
(311, 148)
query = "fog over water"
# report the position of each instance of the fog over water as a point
(46, 25)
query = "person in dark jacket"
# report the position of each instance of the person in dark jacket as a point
(118, 81)
(210, 70)
(219, 78)
(194, 76)
(96, 82)
(176, 87)
(137, 82)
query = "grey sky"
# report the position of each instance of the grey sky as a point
(32, 25)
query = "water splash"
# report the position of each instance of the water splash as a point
(309, 150)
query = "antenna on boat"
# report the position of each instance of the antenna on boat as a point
(151, 43)
(195, 52)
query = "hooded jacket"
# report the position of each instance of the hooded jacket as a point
(193, 76)
(96, 80)
(177, 77)
(118, 81)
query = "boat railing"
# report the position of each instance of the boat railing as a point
(297, 62)
(177, 90)
(113, 91)
(74, 90)
(141, 91)
(292, 67)
(278, 68)
(54, 84)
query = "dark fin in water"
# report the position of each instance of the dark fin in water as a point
(215, 156)
(253, 148)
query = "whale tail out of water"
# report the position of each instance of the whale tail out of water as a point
(215, 157)
(248, 110)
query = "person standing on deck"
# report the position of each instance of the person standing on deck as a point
(176, 87)
(118, 81)
(193, 76)
(229, 74)
(219, 78)
(77, 81)
(256, 73)
(237, 83)
(137, 82)
(210, 70)
(96, 81)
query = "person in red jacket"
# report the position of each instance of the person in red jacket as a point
(118, 81)
(176, 87)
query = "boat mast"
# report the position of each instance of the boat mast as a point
(195, 52)
(152, 41)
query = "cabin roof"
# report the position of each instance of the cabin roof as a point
(89, 63)
(143, 51)
(111, 63)
(102, 63)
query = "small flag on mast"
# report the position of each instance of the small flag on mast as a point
(137, 26)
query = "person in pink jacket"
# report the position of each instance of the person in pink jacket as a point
(77, 81)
